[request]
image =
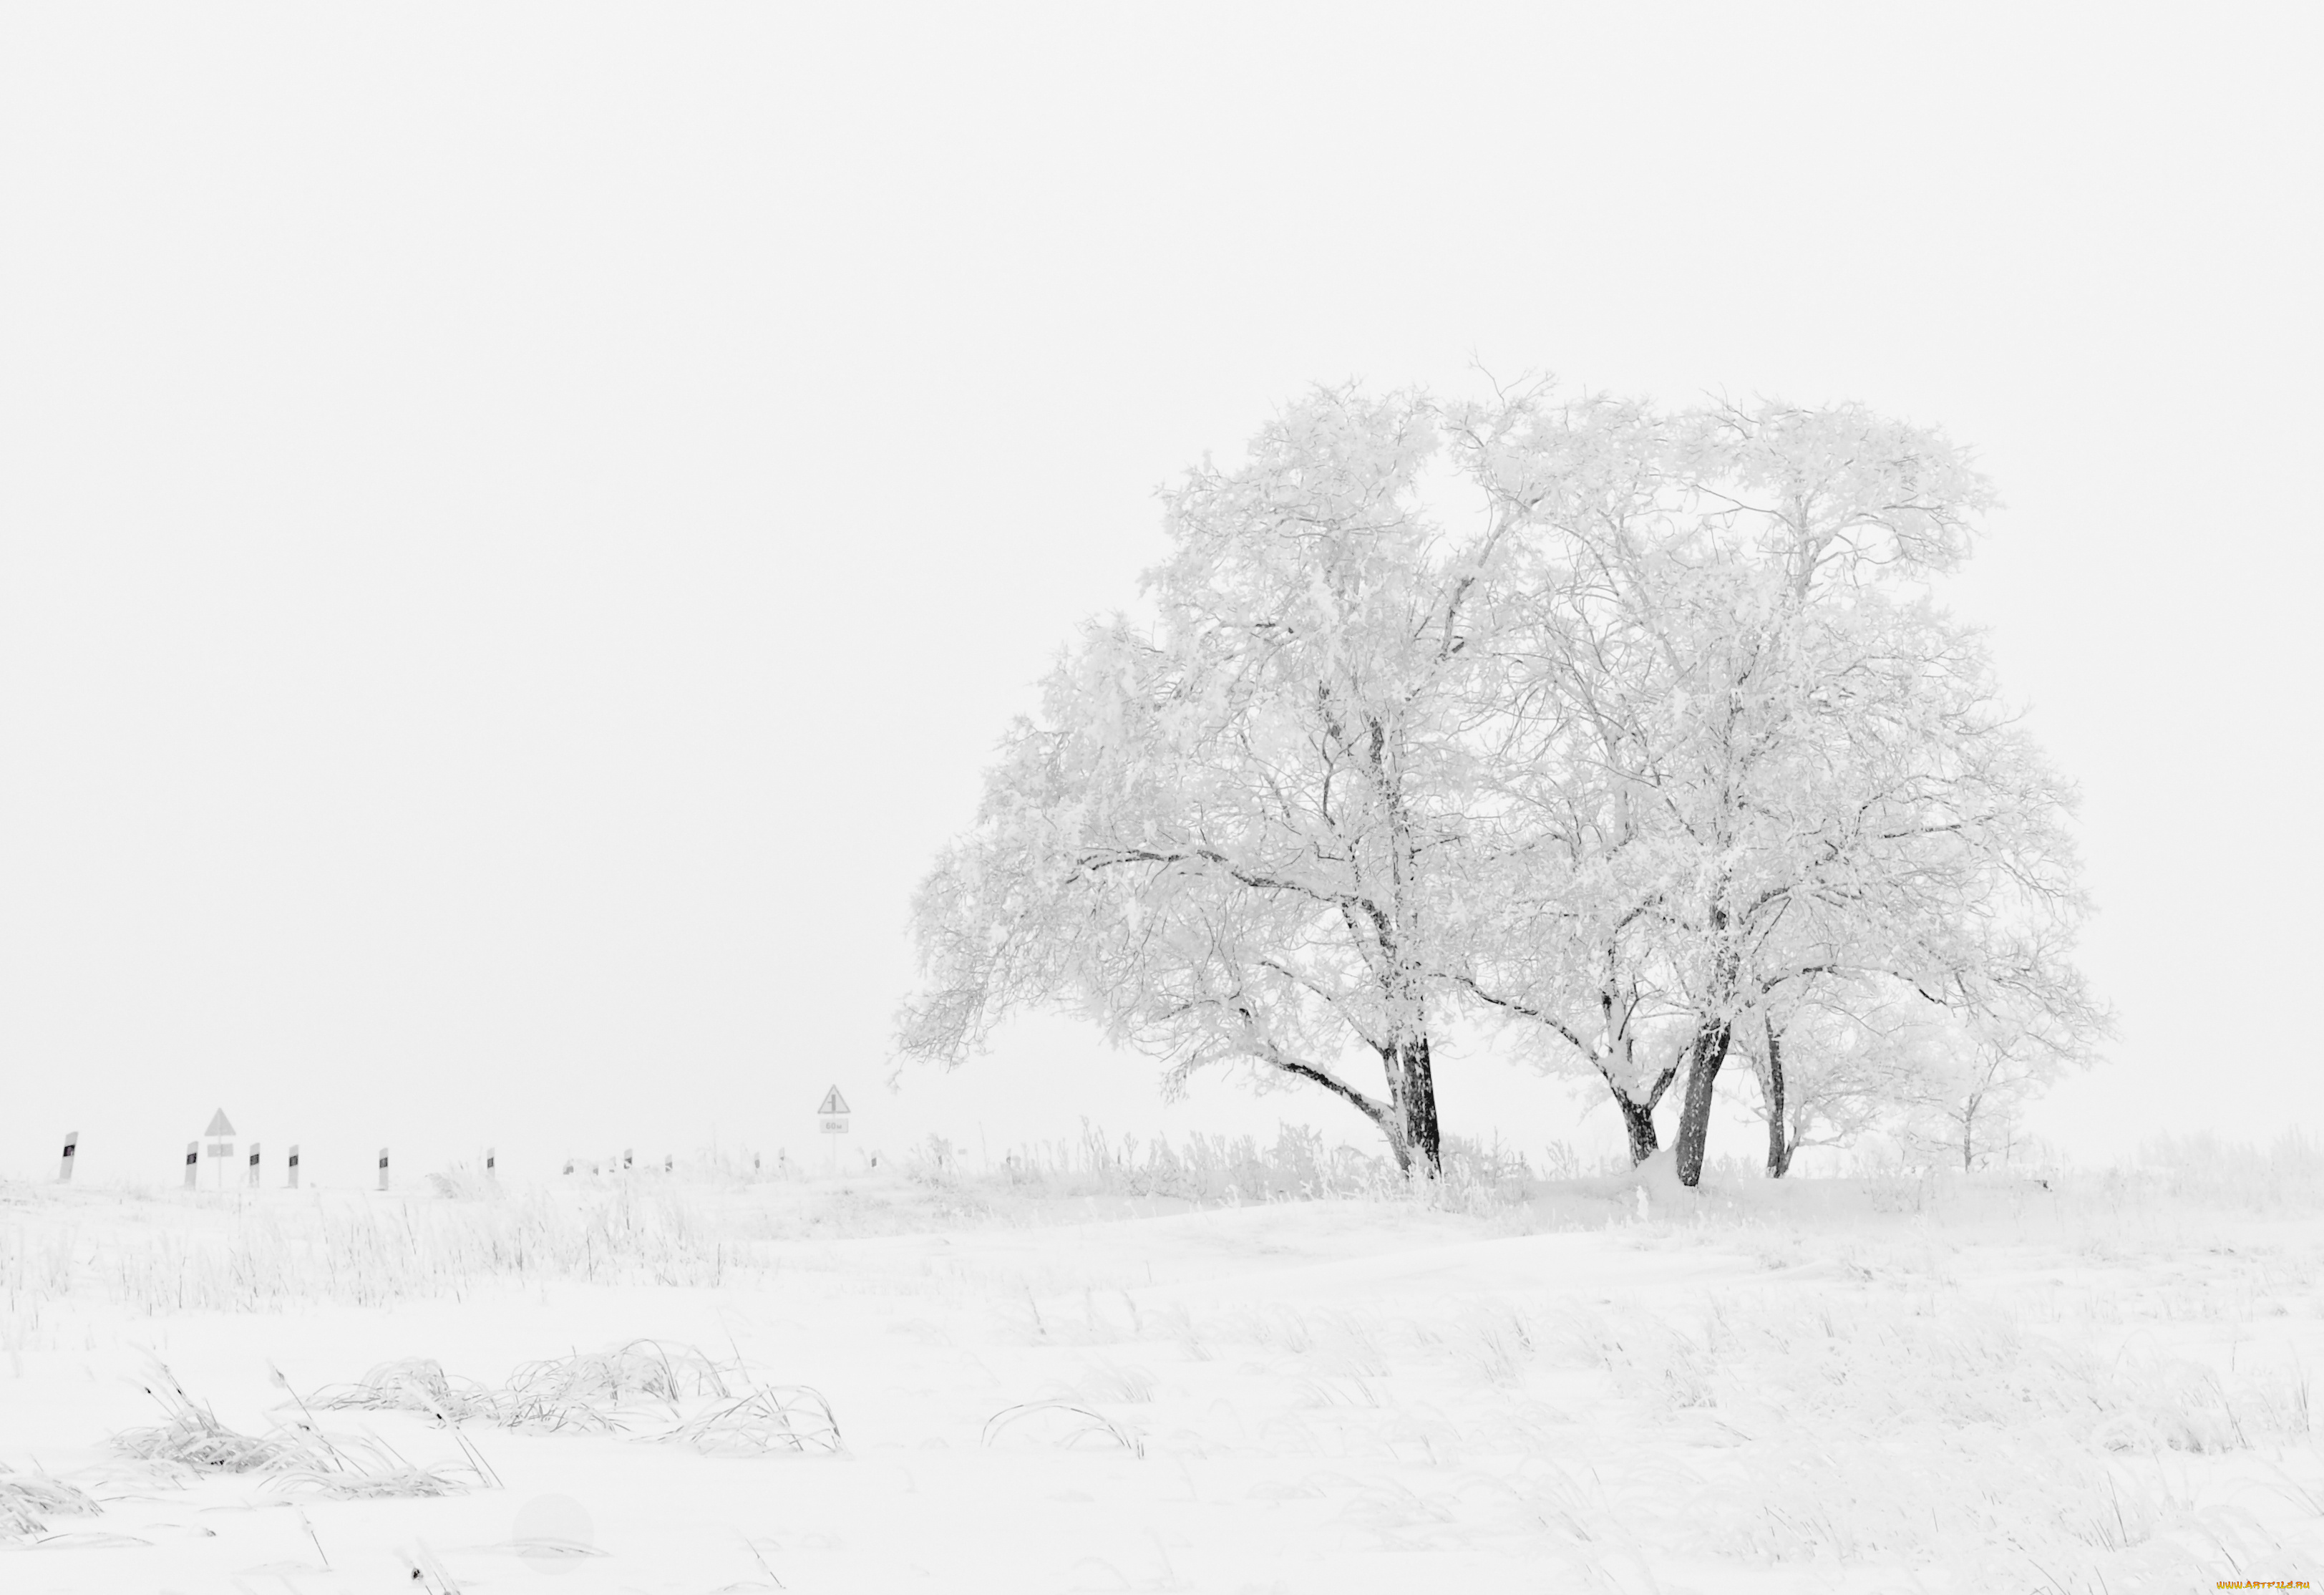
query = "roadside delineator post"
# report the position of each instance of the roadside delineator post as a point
(382, 1168)
(626, 1159)
(491, 1165)
(193, 1163)
(64, 1169)
(293, 1163)
(253, 1166)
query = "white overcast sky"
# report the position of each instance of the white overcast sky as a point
(521, 525)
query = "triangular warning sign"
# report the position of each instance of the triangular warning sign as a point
(219, 1124)
(833, 1103)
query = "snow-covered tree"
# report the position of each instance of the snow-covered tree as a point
(1638, 730)
(2006, 1024)
(1755, 758)
(1967, 1104)
(1232, 835)
(1849, 800)
(1833, 1060)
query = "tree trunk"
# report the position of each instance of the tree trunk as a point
(1410, 1118)
(1638, 1116)
(1779, 1140)
(1638, 1119)
(1417, 1099)
(1707, 1053)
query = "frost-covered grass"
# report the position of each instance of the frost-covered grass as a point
(1055, 1377)
(190, 1442)
(675, 1393)
(28, 1500)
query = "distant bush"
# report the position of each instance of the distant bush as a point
(2286, 1173)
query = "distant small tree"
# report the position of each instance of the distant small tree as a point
(1826, 1075)
(1948, 1063)
(1980, 1059)
(1971, 1109)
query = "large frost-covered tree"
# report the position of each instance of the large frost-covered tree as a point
(1760, 768)
(1638, 729)
(1232, 835)
(1844, 798)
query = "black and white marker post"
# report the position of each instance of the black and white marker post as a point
(382, 1168)
(291, 1163)
(64, 1169)
(252, 1181)
(193, 1162)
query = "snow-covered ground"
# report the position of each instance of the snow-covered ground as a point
(1900, 1385)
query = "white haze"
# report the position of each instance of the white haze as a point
(519, 527)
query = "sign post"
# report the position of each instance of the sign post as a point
(221, 1139)
(64, 1170)
(833, 1113)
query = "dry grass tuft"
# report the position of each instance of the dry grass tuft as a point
(1107, 1381)
(298, 1455)
(599, 1391)
(413, 1384)
(27, 1500)
(685, 1396)
(1066, 1425)
(771, 1418)
(193, 1439)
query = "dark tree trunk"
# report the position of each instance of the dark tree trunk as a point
(1638, 1119)
(1416, 1096)
(1410, 1119)
(1779, 1140)
(1704, 1056)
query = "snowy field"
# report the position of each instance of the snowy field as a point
(962, 1384)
